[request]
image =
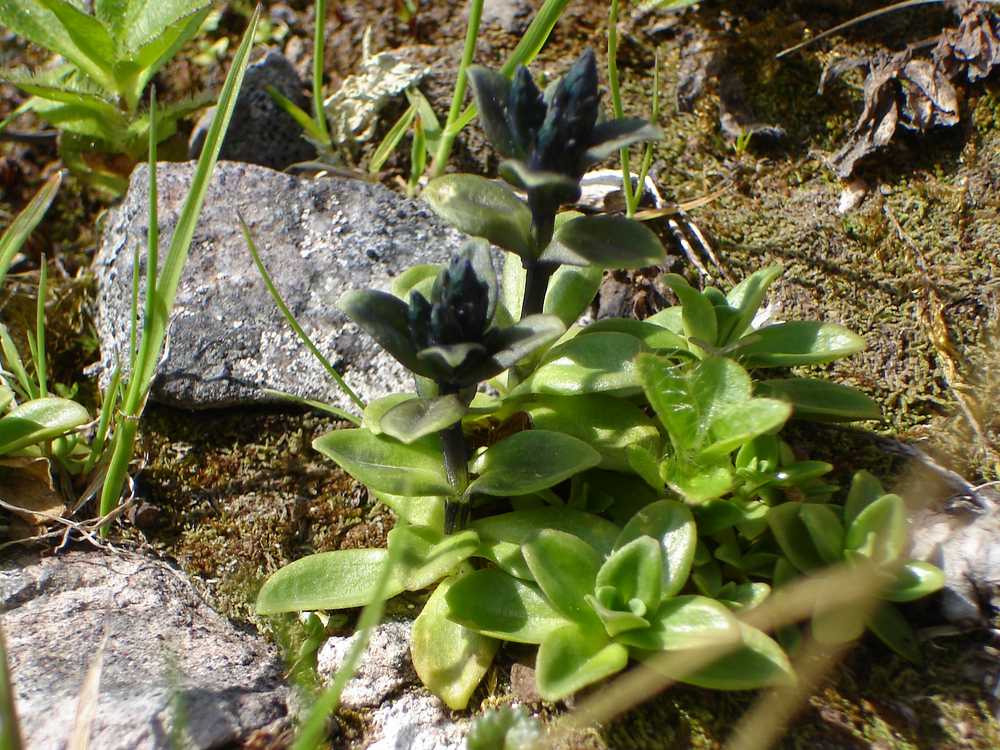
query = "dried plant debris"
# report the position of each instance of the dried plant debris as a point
(973, 49)
(898, 91)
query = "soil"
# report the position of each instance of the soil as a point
(233, 496)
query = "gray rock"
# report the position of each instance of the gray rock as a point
(319, 239)
(965, 543)
(513, 16)
(417, 721)
(385, 668)
(260, 132)
(162, 641)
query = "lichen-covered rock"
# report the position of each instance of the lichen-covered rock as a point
(385, 668)
(163, 644)
(319, 239)
(417, 721)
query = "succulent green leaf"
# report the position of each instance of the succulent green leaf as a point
(895, 632)
(671, 318)
(384, 318)
(416, 278)
(821, 400)
(684, 622)
(716, 515)
(645, 463)
(511, 345)
(698, 313)
(573, 657)
(879, 531)
(415, 418)
(497, 605)
(427, 555)
(865, 490)
(492, 91)
(652, 336)
(745, 595)
(607, 424)
(371, 417)
(449, 659)
(612, 135)
(793, 537)
(825, 530)
(740, 423)
(570, 292)
(698, 482)
(415, 511)
(387, 465)
(483, 208)
(760, 662)
(635, 571)
(671, 524)
(746, 298)
(798, 342)
(36, 421)
(914, 580)
(530, 461)
(604, 241)
(328, 580)
(598, 363)
(565, 568)
(840, 624)
(556, 188)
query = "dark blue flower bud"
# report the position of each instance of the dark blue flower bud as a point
(525, 110)
(569, 122)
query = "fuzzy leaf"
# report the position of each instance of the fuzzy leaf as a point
(511, 345)
(825, 530)
(604, 241)
(427, 555)
(760, 662)
(746, 298)
(865, 490)
(684, 622)
(793, 537)
(635, 571)
(652, 336)
(740, 423)
(387, 465)
(879, 531)
(492, 91)
(449, 659)
(497, 605)
(570, 292)
(556, 188)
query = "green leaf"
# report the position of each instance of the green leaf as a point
(483, 208)
(570, 292)
(825, 530)
(565, 568)
(879, 531)
(427, 555)
(865, 490)
(503, 536)
(89, 35)
(555, 188)
(328, 580)
(38, 420)
(491, 91)
(759, 663)
(671, 318)
(740, 423)
(18, 231)
(415, 418)
(652, 336)
(645, 463)
(384, 318)
(821, 400)
(746, 298)
(416, 278)
(635, 571)
(391, 140)
(612, 135)
(497, 605)
(598, 363)
(604, 241)
(449, 659)
(698, 313)
(530, 461)
(895, 632)
(573, 657)
(607, 424)
(698, 482)
(144, 21)
(511, 345)
(673, 526)
(914, 580)
(415, 511)
(793, 537)
(743, 596)
(799, 342)
(387, 465)
(371, 418)
(149, 56)
(684, 622)
(840, 624)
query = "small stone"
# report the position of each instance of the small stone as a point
(418, 721)
(522, 683)
(852, 195)
(385, 668)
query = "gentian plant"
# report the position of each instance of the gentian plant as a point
(608, 492)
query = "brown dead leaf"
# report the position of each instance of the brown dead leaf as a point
(973, 49)
(26, 484)
(898, 91)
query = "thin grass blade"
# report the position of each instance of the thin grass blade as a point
(17, 233)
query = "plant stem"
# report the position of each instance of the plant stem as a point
(319, 114)
(456, 461)
(40, 368)
(536, 284)
(452, 127)
(616, 101)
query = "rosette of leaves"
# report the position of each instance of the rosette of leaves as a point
(548, 140)
(592, 604)
(868, 533)
(110, 56)
(505, 729)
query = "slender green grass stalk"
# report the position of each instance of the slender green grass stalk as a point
(25, 222)
(616, 103)
(108, 404)
(451, 126)
(160, 303)
(418, 155)
(10, 727)
(152, 240)
(319, 53)
(290, 318)
(12, 360)
(392, 140)
(647, 154)
(41, 371)
(314, 405)
(311, 734)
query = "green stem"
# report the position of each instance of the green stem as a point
(40, 367)
(319, 114)
(452, 126)
(616, 101)
(456, 461)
